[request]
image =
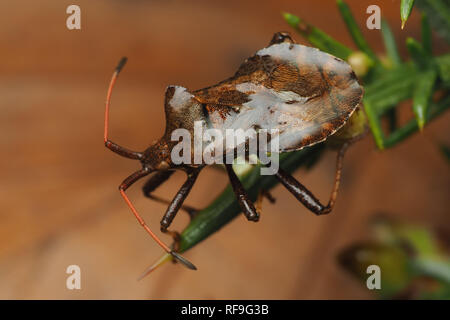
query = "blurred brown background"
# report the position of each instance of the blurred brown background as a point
(59, 199)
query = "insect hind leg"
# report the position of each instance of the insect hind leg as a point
(305, 196)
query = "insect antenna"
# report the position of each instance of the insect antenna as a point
(108, 143)
(137, 175)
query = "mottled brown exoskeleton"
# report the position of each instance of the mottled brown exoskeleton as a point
(304, 93)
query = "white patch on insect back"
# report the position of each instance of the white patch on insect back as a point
(288, 112)
(180, 98)
(285, 51)
(298, 55)
(270, 109)
(265, 97)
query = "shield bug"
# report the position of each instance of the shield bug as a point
(306, 94)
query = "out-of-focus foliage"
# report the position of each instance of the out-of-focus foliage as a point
(412, 262)
(439, 13)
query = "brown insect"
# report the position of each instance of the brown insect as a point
(305, 93)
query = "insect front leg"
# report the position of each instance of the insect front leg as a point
(179, 198)
(154, 182)
(305, 196)
(122, 188)
(244, 201)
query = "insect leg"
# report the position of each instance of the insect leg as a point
(108, 143)
(281, 37)
(305, 196)
(263, 194)
(268, 195)
(244, 201)
(122, 188)
(154, 182)
(176, 236)
(179, 198)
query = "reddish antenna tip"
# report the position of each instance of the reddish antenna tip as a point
(183, 260)
(121, 64)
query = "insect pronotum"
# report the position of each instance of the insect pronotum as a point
(306, 94)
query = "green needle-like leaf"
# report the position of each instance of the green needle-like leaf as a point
(395, 86)
(405, 10)
(438, 12)
(422, 95)
(374, 124)
(426, 35)
(388, 97)
(443, 65)
(412, 126)
(354, 30)
(317, 37)
(390, 44)
(394, 61)
(417, 53)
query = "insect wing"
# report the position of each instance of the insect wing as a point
(303, 93)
